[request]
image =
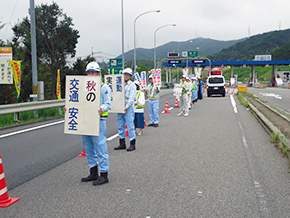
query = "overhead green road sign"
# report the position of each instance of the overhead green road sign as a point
(116, 65)
(192, 54)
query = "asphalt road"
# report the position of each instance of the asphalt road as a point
(30, 154)
(276, 96)
(214, 163)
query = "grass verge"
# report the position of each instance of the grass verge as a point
(242, 99)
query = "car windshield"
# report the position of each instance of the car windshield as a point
(216, 80)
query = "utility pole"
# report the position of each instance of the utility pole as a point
(33, 50)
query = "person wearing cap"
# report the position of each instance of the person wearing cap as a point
(139, 108)
(153, 104)
(184, 97)
(96, 146)
(128, 116)
(194, 90)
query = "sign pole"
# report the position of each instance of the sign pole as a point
(33, 50)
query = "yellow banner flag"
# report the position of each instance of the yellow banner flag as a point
(16, 69)
(58, 93)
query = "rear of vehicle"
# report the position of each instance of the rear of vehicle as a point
(216, 85)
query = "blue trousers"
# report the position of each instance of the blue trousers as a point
(96, 148)
(194, 94)
(127, 118)
(153, 111)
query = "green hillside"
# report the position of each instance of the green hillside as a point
(261, 44)
(204, 46)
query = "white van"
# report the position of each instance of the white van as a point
(216, 85)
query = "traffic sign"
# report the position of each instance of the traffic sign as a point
(184, 54)
(174, 62)
(116, 65)
(173, 54)
(192, 53)
(198, 61)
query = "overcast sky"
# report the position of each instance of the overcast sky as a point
(100, 27)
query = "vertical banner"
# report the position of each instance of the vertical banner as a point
(16, 69)
(5, 69)
(116, 83)
(158, 77)
(138, 78)
(82, 101)
(58, 92)
(197, 72)
(153, 75)
(185, 71)
(143, 79)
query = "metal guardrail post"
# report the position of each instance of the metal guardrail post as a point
(30, 106)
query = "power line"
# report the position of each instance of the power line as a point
(10, 19)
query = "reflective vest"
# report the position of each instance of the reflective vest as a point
(184, 92)
(193, 88)
(106, 113)
(151, 94)
(137, 96)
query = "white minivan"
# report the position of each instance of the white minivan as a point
(216, 85)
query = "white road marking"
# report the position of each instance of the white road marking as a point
(271, 95)
(30, 129)
(234, 104)
(112, 137)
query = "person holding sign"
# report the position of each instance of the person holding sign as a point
(153, 95)
(96, 146)
(139, 108)
(184, 97)
(128, 116)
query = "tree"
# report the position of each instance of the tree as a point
(56, 39)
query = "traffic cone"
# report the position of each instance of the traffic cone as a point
(127, 132)
(166, 108)
(145, 122)
(83, 154)
(5, 200)
(176, 103)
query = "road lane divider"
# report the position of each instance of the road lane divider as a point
(30, 129)
(234, 104)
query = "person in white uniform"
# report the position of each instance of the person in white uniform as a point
(184, 97)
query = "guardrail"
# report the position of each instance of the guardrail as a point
(30, 106)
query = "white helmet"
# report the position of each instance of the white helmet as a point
(150, 77)
(128, 71)
(137, 82)
(93, 66)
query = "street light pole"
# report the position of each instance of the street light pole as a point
(155, 42)
(33, 50)
(123, 58)
(135, 35)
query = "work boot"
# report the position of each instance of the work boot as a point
(93, 175)
(132, 145)
(122, 145)
(103, 178)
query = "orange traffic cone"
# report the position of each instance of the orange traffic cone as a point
(145, 122)
(127, 132)
(83, 154)
(166, 108)
(5, 200)
(176, 103)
